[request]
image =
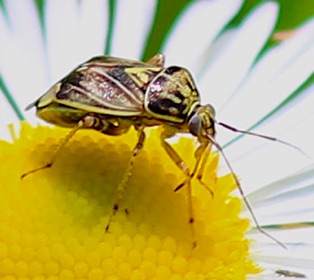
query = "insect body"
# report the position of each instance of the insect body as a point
(117, 93)
(288, 273)
(111, 95)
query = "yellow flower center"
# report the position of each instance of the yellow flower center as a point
(52, 222)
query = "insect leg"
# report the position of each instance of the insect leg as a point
(198, 154)
(120, 190)
(86, 122)
(168, 133)
(200, 172)
(157, 60)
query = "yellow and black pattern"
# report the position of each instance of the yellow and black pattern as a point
(103, 85)
(97, 84)
(125, 92)
(171, 95)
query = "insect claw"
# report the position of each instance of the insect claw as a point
(108, 225)
(180, 186)
(48, 165)
(114, 211)
(107, 228)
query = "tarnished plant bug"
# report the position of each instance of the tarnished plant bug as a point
(111, 95)
(288, 273)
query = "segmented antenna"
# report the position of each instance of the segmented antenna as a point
(248, 205)
(263, 136)
(219, 148)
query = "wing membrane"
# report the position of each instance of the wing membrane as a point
(103, 85)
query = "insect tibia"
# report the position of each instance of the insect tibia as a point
(128, 172)
(180, 186)
(114, 211)
(265, 137)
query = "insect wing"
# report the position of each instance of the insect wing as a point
(103, 85)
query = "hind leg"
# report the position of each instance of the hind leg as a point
(87, 122)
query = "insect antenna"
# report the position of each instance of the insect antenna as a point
(263, 136)
(246, 201)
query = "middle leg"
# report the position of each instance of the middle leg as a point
(128, 172)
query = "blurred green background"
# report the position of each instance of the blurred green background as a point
(292, 13)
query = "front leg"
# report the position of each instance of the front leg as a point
(200, 171)
(198, 154)
(168, 133)
(201, 156)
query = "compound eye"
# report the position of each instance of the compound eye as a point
(195, 125)
(212, 109)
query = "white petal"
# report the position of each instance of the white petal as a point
(289, 207)
(133, 21)
(292, 182)
(7, 116)
(72, 33)
(195, 30)
(93, 27)
(259, 162)
(22, 58)
(279, 72)
(293, 264)
(232, 61)
(63, 36)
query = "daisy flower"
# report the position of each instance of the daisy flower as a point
(52, 223)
